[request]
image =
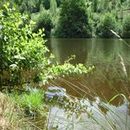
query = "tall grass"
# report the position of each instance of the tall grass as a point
(11, 116)
(23, 111)
(32, 100)
(97, 114)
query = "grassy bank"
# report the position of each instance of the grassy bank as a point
(25, 111)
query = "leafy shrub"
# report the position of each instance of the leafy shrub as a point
(21, 49)
(126, 27)
(73, 21)
(107, 23)
(43, 21)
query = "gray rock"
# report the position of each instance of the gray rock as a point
(55, 93)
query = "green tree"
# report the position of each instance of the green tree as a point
(73, 21)
(107, 23)
(46, 4)
(53, 7)
(59, 2)
(126, 27)
(43, 20)
(30, 6)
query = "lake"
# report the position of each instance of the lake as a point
(111, 58)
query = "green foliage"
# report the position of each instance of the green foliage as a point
(69, 69)
(126, 27)
(19, 42)
(46, 4)
(30, 6)
(21, 49)
(59, 2)
(53, 7)
(43, 21)
(94, 5)
(73, 21)
(107, 23)
(33, 6)
(76, 18)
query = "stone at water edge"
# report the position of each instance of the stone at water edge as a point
(55, 92)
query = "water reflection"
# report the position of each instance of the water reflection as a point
(108, 78)
(82, 48)
(64, 48)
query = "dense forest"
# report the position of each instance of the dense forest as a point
(83, 19)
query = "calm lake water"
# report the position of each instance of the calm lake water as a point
(111, 76)
(111, 58)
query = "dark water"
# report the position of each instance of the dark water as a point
(111, 58)
(83, 48)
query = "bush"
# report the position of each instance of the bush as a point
(73, 21)
(126, 27)
(20, 48)
(43, 21)
(107, 23)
